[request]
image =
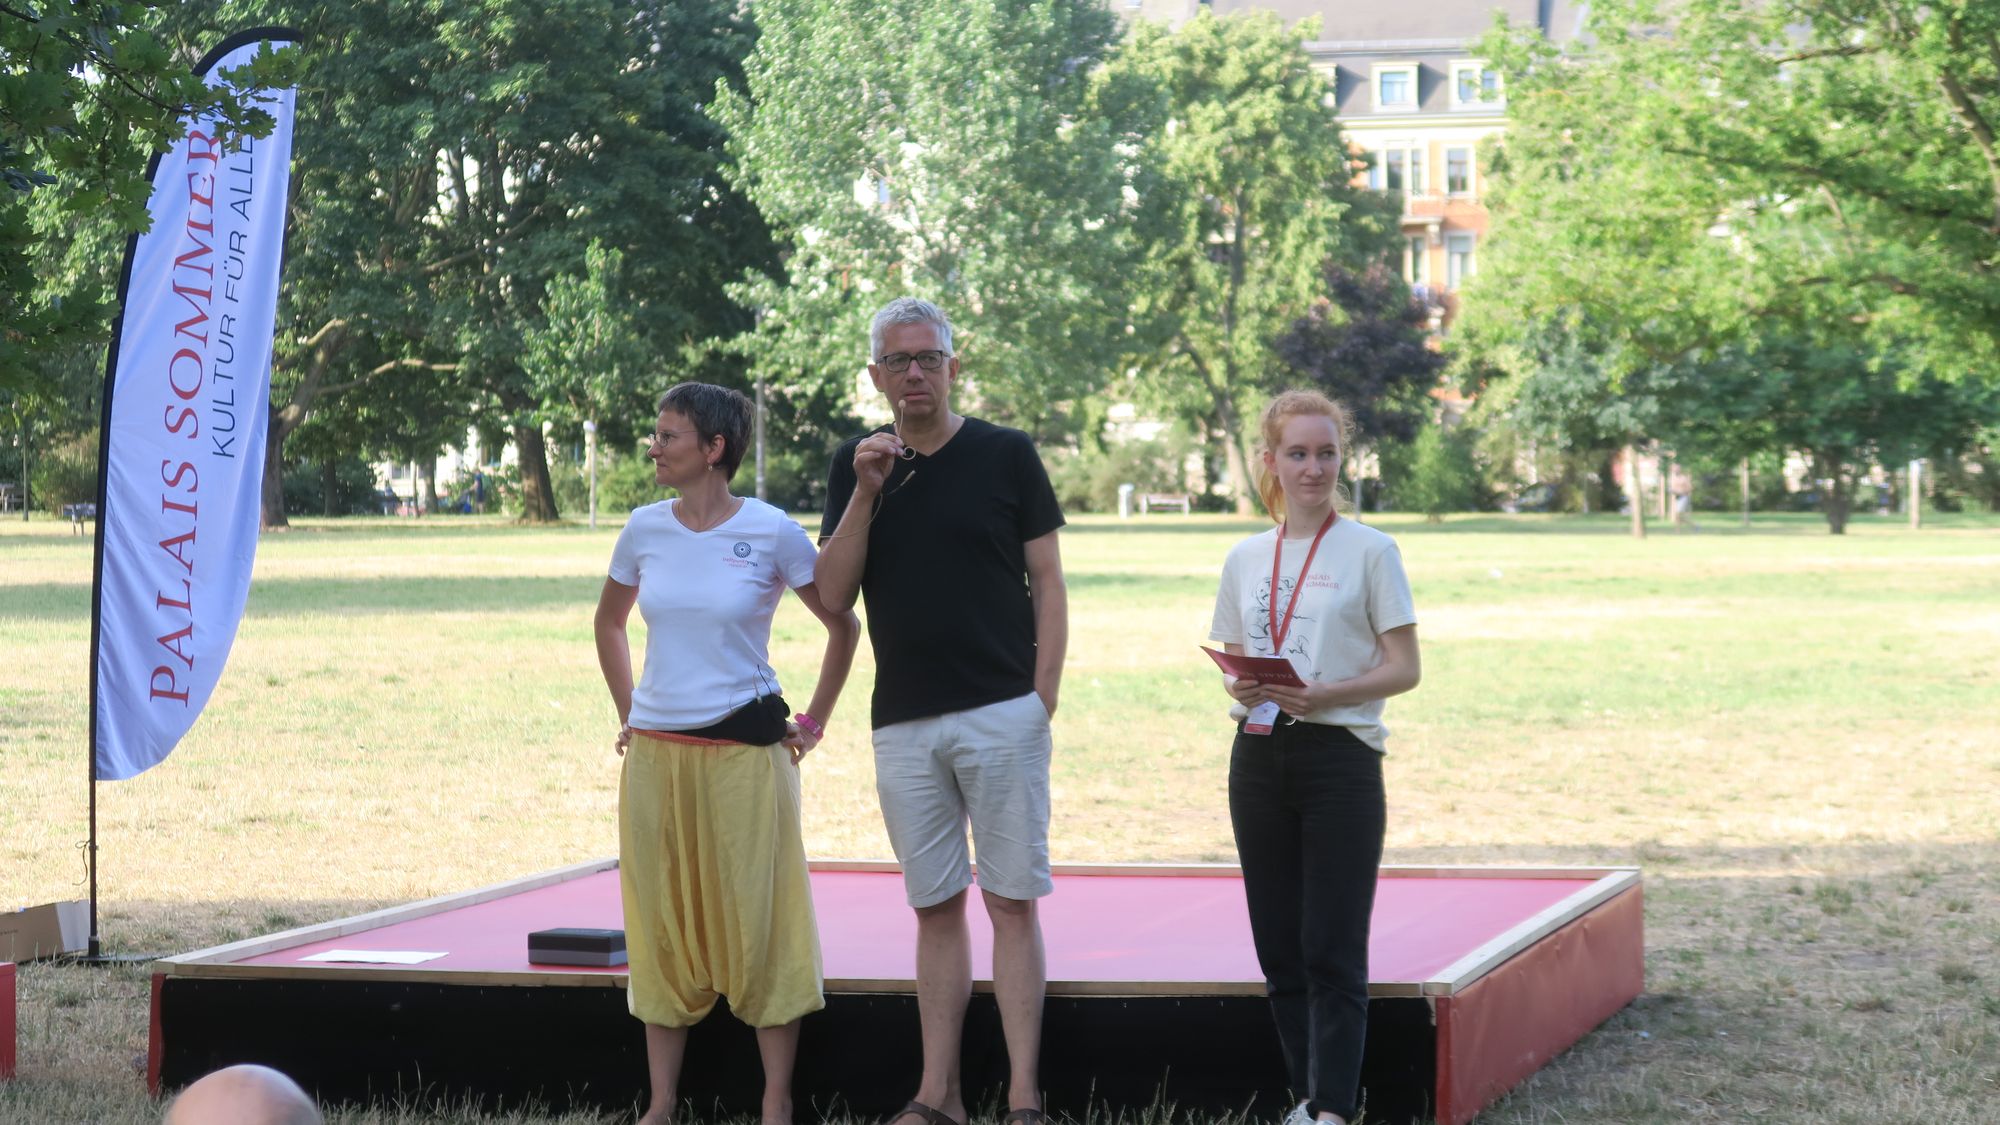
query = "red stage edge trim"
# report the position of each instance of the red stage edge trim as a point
(156, 1043)
(8, 1024)
(1511, 1022)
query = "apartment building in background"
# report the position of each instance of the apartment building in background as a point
(1416, 101)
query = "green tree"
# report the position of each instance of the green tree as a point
(1795, 181)
(1439, 474)
(454, 159)
(88, 92)
(1250, 192)
(54, 398)
(584, 360)
(1568, 393)
(1804, 145)
(555, 124)
(1367, 345)
(965, 153)
(1843, 407)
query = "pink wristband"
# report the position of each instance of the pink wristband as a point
(809, 725)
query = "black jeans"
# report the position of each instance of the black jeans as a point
(1309, 812)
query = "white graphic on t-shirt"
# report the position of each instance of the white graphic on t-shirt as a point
(1259, 625)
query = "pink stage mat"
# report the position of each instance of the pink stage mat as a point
(1477, 977)
(1176, 928)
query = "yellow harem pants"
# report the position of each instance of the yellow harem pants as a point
(712, 870)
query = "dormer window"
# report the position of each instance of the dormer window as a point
(1474, 85)
(1396, 88)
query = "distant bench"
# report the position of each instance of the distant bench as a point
(76, 514)
(1148, 501)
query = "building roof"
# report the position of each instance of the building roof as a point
(1414, 22)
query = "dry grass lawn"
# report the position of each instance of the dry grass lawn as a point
(1792, 733)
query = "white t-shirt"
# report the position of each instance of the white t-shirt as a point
(1355, 593)
(707, 598)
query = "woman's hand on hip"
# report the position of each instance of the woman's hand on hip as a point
(799, 742)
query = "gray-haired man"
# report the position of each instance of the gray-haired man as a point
(946, 527)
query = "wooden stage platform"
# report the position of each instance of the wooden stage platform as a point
(1478, 977)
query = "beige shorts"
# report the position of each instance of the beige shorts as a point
(987, 765)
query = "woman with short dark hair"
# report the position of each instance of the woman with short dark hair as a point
(712, 864)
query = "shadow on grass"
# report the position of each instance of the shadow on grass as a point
(1603, 526)
(45, 601)
(1396, 523)
(1163, 585)
(341, 597)
(1725, 525)
(400, 528)
(352, 597)
(1172, 525)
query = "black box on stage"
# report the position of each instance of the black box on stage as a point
(572, 945)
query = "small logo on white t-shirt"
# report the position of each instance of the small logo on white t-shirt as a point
(742, 550)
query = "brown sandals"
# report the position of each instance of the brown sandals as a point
(933, 1115)
(929, 1115)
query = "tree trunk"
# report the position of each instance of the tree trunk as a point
(1239, 465)
(1210, 483)
(1746, 491)
(1571, 483)
(431, 485)
(538, 494)
(272, 515)
(1606, 484)
(1834, 501)
(1635, 495)
(1665, 470)
(329, 481)
(324, 346)
(1239, 462)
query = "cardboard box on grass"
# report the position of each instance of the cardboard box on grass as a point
(48, 930)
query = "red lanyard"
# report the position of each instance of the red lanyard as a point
(1280, 630)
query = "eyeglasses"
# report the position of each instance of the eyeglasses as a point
(664, 436)
(899, 362)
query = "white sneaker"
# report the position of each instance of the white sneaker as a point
(1300, 1115)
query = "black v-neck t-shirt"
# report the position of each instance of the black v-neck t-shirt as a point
(946, 584)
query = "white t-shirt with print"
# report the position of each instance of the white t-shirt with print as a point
(707, 598)
(1356, 592)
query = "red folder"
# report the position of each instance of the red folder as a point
(1263, 669)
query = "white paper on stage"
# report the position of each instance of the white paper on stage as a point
(374, 956)
(188, 396)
